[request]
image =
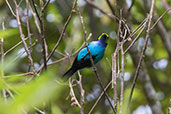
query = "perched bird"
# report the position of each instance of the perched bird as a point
(96, 48)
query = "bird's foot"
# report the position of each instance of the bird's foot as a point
(93, 69)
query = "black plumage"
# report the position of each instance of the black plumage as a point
(78, 65)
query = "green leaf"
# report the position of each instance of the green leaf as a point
(8, 33)
(33, 94)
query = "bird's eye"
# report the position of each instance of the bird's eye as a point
(104, 36)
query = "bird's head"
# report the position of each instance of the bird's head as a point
(103, 38)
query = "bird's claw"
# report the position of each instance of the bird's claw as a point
(93, 69)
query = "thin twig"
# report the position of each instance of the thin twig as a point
(35, 19)
(133, 1)
(63, 31)
(60, 53)
(29, 34)
(37, 14)
(122, 77)
(21, 53)
(42, 36)
(115, 59)
(82, 93)
(110, 6)
(21, 33)
(20, 2)
(45, 5)
(40, 111)
(114, 17)
(160, 18)
(2, 51)
(72, 94)
(10, 93)
(114, 76)
(136, 30)
(10, 8)
(18, 75)
(2, 63)
(4, 95)
(135, 39)
(14, 46)
(143, 51)
(28, 25)
(100, 96)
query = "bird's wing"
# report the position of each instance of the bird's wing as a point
(84, 62)
(86, 56)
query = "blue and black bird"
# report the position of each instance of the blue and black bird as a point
(97, 49)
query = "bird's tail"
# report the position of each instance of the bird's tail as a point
(69, 73)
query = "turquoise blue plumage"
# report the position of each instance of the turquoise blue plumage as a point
(97, 50)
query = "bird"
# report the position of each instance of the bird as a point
(82, 60)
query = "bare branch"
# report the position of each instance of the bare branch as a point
(14, 47)
(4, 95)
(2, 52)
(114, 76)
(143, 50)
(10, 93)
(82, 93)
(35, 19)
(2, 63)
(122, 77)
(42, 36)
(21, 33)
(21, 53)
(72, 94)
(101, 10)
(110, 6)
(133, 1)
(160, 18)
(45, 5)
(135, 39)
(10, 8)
(18, 75)
(100, 96)
(29, 34)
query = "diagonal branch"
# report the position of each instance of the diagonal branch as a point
(99, 97)
(143, 50)
(21, 33)
(42, 36)
(10, 8)
(82, 91)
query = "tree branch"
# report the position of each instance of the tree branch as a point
(143, 50)
(21, 33)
